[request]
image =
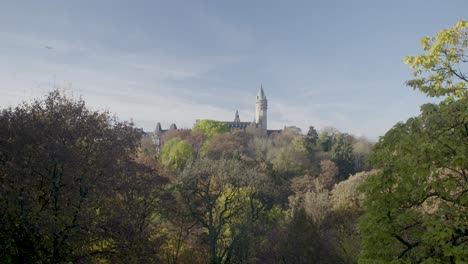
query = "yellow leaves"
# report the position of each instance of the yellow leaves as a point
(442, 63)
(462, 24)
(408, 60)
(425, 43)
(345, 195)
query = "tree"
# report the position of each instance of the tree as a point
(299, 240)
(210, 127)
(440, 70)
(347, 200)
(309, 196)
(417, 206)
(326, 138)
(313, 149)
(130, 225)
(175, 153)
(195, 138)
(259, 149)
(342, 154)
(219, 197)
(228, 145)
(331, 219)
(347, 195)
(312, 136)
(328, 173)
(63, 168)
(420, 200)
(288, 155)
(361, 150)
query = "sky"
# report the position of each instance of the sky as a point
(321, 63)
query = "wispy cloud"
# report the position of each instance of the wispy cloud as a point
(150, 88)
(133, 85)
(178, 62)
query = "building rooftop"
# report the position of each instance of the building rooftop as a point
(261, 93)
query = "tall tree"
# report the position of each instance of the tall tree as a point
(342, 154)
(328, 173)
(312, 136)
(361, 150)
(417, 207)
(218, 196)
(313, 149)
(326, 138)
(176, 153)
(60, 165)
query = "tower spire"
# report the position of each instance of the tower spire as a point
(261, 94)
(261, 110)
(237, 119)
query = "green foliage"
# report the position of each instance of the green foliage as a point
(78, 186)
(312, 136)
(196, 139)
(175, 153)
(439, 72)
(325, 141)
(342, 154)
(210, 127)
(417, 207)
(220, 197)
(326, 138)
(290, 158)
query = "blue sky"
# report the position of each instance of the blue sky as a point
(327, 63)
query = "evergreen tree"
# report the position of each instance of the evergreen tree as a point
(342, 154)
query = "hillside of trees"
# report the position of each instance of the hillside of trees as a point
(80, 186)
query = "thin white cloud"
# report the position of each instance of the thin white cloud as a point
(152, 87)
(130, 85)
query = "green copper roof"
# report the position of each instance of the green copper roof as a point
(261, 94)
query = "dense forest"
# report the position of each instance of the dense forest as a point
(80, 186)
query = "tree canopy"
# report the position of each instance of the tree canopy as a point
(220, 196)
(210, 127)
(417, 206)
(65, 176)
(441, 71)
(175, 153)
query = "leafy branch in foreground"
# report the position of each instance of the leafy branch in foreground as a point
(442, 70)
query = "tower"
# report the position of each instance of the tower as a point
(261, 110)
(237, 119)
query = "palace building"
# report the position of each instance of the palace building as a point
(260, 121)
